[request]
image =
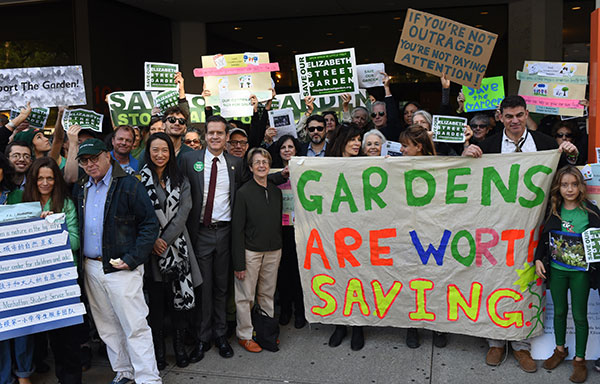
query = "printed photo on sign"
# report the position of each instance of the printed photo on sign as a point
(391, 148)
(283, 121)
(566, 250)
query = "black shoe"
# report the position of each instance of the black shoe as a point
(337, 336)
(198, 352)
(86, 357)
(190, 338)
(230, 329)
(181, 357)
(439, 339)
(412, 338)
(225, 349)
(159, 349)
(358, 339)
(284, 318)
(299, 322)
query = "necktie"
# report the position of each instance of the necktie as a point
(210, 199)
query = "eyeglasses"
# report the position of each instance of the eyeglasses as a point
(19, 156)
(172, 120)
(481, 126)
(260, 162)
(235, 143)
(92, 159)
(380, 113)
(317, 128)
(563, 135)
(190, 141)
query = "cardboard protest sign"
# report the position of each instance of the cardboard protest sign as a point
(36, 119)
(489, 95)
(235, 72)
(235, 103)
(135, 107)
(388, 242)
(591, 244)
(42, 86)
(448, 129)
(553, 88)
(437, 45)
(283, 121)
(85, 118)
(160, 76)
(38, 278)
(543, 346)
(327, 73)
(370, 75)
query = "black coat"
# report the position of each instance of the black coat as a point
(553, 223)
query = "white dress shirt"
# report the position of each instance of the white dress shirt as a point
(222, 203)
(509, 146)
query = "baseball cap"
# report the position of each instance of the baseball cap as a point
(91, 147)
(238, 130)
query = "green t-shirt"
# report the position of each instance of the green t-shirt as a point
(573, 221)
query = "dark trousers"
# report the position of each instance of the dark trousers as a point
(67, 357)
(161, 306)
(212, 249)
(288, 279)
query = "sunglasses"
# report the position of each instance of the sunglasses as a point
(380, 113)
(474, 126)
(172, 120)
(190, 141)
(318, 129)
(563, 135)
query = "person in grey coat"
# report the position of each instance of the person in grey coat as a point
(173, 268)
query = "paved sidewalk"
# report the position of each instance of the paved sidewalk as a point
(305, 357)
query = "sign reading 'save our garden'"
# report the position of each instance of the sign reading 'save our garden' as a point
(327, 73)
(440, 243)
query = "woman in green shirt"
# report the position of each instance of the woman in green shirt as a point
(561, 255)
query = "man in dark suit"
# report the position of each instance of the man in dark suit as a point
(517, 138)
(214, 176)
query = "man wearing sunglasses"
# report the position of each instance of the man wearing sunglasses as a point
(315, 126)
(385, 115)
(176, 127)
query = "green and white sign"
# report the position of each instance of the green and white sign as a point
(135, 107)
(487, 97)
(85, 118)
(159, 76)
(448, 129)
(327, 73)
(36, 119)
(591, 244)
(166, 100)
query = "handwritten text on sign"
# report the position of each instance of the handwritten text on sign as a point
(444, 244)
(439, 46)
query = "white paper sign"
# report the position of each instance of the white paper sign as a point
(391, 148)
(369, 75)
(283, 121)
(235, 104)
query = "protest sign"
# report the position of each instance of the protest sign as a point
(235, 103)
(553, 88)
(235, 72)
(591, 244)
(84, 118)
(38, 278)
(283, 121)
(390, 241)
(327, 73)
(489, 95)
(36, 119)
(160, 76)
(448, 129)
(566, 250)
(370, 75)
(391, 148)
(543, 346)
(42, 86)
(135, 107)
(437, 45)
(166, 100)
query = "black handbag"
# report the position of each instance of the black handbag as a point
(266, 328)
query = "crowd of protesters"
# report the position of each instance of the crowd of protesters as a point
(178, 230)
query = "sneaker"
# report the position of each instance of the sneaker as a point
(121, 379)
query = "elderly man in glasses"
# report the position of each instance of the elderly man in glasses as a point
(315, 126)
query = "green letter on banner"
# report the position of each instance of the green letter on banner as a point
(508, 193)
(411, 199)
(316, 202)
(468, 260)
(451, 187)
(539, 192)
(370, 192)
(342, 185)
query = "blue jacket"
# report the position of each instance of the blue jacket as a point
(130, 225)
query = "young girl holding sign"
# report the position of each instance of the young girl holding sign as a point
(561, 254)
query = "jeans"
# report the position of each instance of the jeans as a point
(23, 347)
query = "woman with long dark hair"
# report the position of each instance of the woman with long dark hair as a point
(173, 271)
